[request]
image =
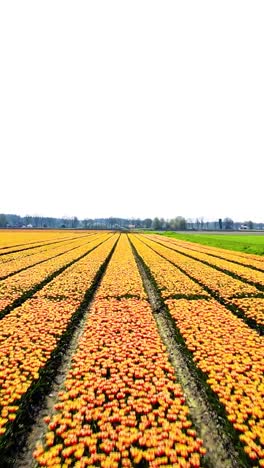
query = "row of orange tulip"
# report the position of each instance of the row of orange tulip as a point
(44, 253)
(124, 266)
(245, 259)
(29, 351)
(219, 282)
(226, 349)
(17, 239)
(37, 247)
(170, 281)
(16, 286)
(120, 405)
(30, 333)
(231, 354)
(246, 273)
(252, 307)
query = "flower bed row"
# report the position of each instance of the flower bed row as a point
(218, 282)
(30, 333)
(42, 254)
(127, 280)
(231, 354)
(246, 273)
(169, 280)
(29, 249)
(18, 240)
(120, 405)
(246, 259)
(14, 287)
(252, 307)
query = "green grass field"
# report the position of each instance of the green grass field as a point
(244, 242)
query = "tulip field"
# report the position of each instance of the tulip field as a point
(129, 350)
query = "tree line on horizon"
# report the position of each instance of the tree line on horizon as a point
(179, 223)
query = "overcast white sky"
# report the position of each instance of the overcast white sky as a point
(132, 108)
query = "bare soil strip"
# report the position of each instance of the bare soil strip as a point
(211, 426)
(41, 397)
